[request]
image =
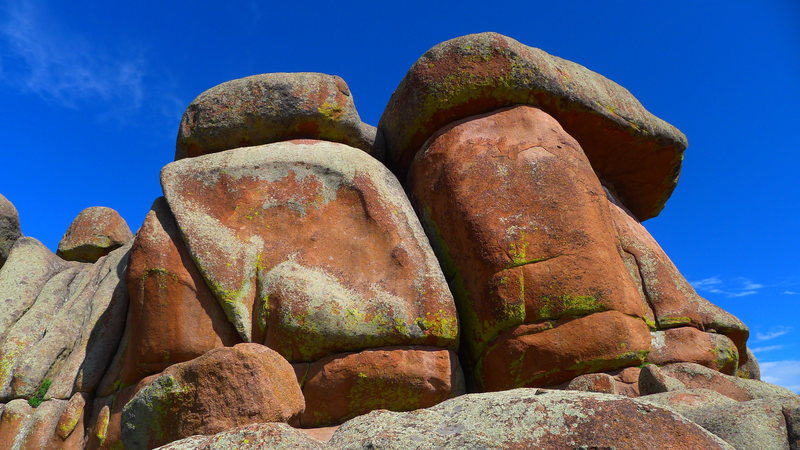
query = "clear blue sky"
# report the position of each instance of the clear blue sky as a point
(91, 95)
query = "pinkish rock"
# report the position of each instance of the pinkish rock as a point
(95, 232)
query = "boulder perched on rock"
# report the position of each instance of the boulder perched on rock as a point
(9, 228)
(95, 232)
(637, 153)
(223, 389)
(272, 107)
(60, 323)
(519, 220)
(323, 252)
(528, 418)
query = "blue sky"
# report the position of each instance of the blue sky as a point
(91, 96)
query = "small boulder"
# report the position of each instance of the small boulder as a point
(223, 389)
(9, 228)
(95, 232)
(340, 387)
(688, 344)
(527, 418)
(750, 370)
(273, 107)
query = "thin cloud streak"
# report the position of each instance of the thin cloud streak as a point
(767, 348)
(715, 285)
(760, 337)
(63, 67)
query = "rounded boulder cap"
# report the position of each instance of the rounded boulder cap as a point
(634, 152)
(272, 107)
(94, 233)
(9, 228)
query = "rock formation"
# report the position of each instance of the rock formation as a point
(473, 269)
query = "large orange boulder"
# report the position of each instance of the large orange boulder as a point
(340, 387)
(95, 232)
(637, 153)
(323, 253)
(223, 389)
(173, 316)
(688, 344)
(519, 220)
(272, 107)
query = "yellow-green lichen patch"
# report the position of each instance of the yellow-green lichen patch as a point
(569, 305)
(671, 322)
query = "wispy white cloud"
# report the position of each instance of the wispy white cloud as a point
(784, 373)
(741, 287)
(63, 66)
(777, 332)
(767, 348)
(791, 293)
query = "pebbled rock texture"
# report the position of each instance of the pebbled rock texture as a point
(527, 418)
(95, 232)
(9, 228)
(324, 253)
(223, 389)
(272, 107)
(637, 153)
(258, 436)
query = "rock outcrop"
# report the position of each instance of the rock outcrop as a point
(287, 283)
(95, 232)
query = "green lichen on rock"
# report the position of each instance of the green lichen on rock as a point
(144, 416)
(38, 397)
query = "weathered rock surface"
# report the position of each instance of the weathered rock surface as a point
(256, 436)
(60, 323)
(671, 298)
(223, 389)
(340, 387)
(681, 376)
(324, 254)
(519, 221)
(173, 317)
(632, 150)
(52, 424)
(272, 107)
(687, 344)
(754, 424)
(750, 369)
(9, 228)
(527, 418)
(95, 232)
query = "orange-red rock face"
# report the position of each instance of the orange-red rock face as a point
(323, 253)
(520, 222)
(340, 387)
(173, 316)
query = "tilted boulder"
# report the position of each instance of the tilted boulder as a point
(520, 223)
(273, 107)
(637, 153)
(223, 389)
(9, 228)
(95, 232)
(527, 418)
(61, 322)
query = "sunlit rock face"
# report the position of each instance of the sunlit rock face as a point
(304, 271)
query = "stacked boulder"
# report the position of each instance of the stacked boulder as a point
(287, 282)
